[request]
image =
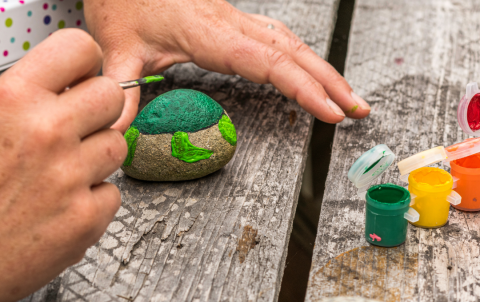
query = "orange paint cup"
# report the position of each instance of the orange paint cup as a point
(467, 170)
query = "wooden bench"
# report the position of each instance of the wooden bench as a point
(411, 60)
(225, 236)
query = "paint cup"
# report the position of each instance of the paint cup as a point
(468, 186)
(387, 208)
(430, 188)
(387, 211)
(468, 112)
(464, 161)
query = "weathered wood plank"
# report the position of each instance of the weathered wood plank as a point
(411, 61)
(179, 241)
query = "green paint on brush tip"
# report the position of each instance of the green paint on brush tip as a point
(150, 79)
(228, 130)
(131, 136)
(183, 149)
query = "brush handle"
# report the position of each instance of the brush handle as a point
(142, 81)
(129, 84)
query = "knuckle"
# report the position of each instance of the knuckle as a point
(65, 179)
(103, 95)
(117, 150)
(79, 40)
(278, 58)
(107, 89)
(87, 217)
(298, 46)
(109, 85)
(7, 93)
(48, 134)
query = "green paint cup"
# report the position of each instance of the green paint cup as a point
(386, 215)
(388, 206)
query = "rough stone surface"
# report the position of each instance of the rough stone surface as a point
(153, 158)
(192, 118)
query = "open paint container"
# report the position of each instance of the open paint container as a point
(431, 189)
(464, 158)
(465, 167)
(387, 207)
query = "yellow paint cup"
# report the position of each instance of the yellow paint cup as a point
(431, 190)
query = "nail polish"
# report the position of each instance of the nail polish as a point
(335, 108)
(360, 102)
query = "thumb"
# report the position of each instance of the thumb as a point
(125, 69)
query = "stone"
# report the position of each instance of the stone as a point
(180, 135)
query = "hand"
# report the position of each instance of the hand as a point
(56, 151)
(145, 37)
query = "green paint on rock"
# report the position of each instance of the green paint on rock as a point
(131, 137)
(183, 149)
(228, 130)
(178, 110)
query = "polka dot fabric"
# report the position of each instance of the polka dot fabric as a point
(25, 23)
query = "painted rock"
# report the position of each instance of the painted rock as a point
(180, 135)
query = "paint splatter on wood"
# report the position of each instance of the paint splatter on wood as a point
(246, 242)
(369, 271)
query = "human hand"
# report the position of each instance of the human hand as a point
(56, 151)
(141, 38)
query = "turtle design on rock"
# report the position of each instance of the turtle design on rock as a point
(180, 135)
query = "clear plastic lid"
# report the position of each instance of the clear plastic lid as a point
(464, 149)
(468, 112)
(370, 166)
(421, 160)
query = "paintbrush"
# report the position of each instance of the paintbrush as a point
(142, 81)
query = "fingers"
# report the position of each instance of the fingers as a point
(107, 199)
(102, 154)
(125, 69)
(335, 85)
(263, 64)
(67, 56)
(92, 105)
(93, 213)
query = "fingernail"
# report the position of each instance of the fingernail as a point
(335, 108)
(360, 102)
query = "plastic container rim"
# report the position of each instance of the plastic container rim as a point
(427, 187)
(404, 202)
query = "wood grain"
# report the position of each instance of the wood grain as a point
(178, 241)
(411, 60)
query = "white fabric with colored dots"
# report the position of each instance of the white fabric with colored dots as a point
(25, 23)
